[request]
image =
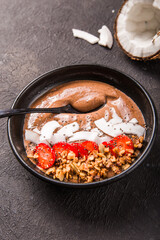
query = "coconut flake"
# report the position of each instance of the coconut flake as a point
(85, 36)
(134, 121)
(108, 128)
(115, 118)
(130, 128)
(100, 123)
(31, 136)
(115, 126)
(100, 140)
(36, 130)
(69, 129)
(106, 38)
(120, 128)
(83, 135)
(48, 129)
(100, 133)
(55, 138)
(34, 137)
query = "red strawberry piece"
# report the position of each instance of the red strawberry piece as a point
(58, 148)
(121, 142)
(46, 156)
(90, 146)
(82, 151)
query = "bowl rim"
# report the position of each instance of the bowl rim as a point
(92, 184)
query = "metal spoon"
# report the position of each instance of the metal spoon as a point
(65, 109)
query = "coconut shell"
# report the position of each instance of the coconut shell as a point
(152, 57)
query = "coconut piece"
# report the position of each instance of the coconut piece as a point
(130, 128)
(133, 120)
(69, 129)
(85, 36)
(48, 129)
(100, 140)
(115, 118)
(119, 128)
(36, 130)
(83, 135)
(31, 136)
(137, 29)
(55, 138)
(100, 133)
(34, 137)
(106, 38)
(107, 128)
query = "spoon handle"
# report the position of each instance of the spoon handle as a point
(12, 112)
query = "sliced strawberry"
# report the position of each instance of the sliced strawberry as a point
(46, 156)
(121, 142)
(81, 150)
(58, 148)
(90, 146)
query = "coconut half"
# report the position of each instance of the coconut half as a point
(137, 29)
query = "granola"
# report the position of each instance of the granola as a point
(98, 166)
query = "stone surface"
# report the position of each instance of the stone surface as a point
(36, 37)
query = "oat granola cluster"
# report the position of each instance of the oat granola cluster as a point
(97, 166)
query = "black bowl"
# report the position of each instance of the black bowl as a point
(80, 72)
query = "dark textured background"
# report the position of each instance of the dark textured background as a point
(35, 37)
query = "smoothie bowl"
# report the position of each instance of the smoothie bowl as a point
(85, 149)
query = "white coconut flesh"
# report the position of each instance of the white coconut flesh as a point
(138, 28)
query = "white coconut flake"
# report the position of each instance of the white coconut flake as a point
(106, 38)
(100, 123)
(108, 128)
(85, 36)
(69, 129)
(100, 133)
(36, 130)
(100, 140)
(48, 129)
(134, 121)
(130, 128)
(115, 118)
(113, 128)
(120, 104)
(34, 137)
(83, 135)
(55, 138)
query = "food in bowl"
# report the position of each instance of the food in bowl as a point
(88, 147)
